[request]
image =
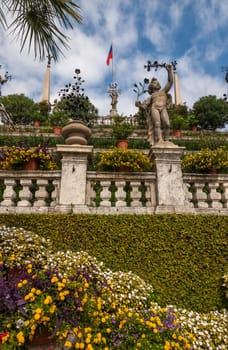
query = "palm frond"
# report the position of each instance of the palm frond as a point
(3, 7)
(38, 23)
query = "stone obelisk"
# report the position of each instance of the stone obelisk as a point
(46, 86)
(177, 92)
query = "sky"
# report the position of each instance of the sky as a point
(192, 32)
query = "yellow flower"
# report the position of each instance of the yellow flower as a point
(20, 338)
(54, 279)
(68, 344)
(48, 300)
(37, 317)
(52, 309)
(89, 347)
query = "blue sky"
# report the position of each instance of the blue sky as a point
(192, 32)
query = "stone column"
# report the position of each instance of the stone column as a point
(170, 189)
(72, 194)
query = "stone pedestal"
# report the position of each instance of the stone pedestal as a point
(72, 196)
(170, 189)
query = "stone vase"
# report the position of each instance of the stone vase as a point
(76, 133)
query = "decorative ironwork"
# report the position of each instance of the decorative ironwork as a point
(140, 88)
(74, 95)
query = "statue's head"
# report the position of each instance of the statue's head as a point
(154, 85)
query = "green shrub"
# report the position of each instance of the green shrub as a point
(206, 160)
(183, 256)
(118, 158)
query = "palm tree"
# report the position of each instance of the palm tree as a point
(39, 23)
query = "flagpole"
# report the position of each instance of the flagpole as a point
(112, 63)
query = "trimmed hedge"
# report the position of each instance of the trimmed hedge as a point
(31, 141)
(183, 256)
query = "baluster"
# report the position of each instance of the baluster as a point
(200, 196)
(55, 193)
(224, 193)
(214, 195)
(150, 194)
(9, 193)
(120, 194)
(90, 193)
(25, 193)
(136, 194)
(41, 194)
(105, 194)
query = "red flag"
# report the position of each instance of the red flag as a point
(109, 56)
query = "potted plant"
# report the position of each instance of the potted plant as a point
(178, 123)
(80, 110)
(121, 130)
(193, 122)
(57, 120)
(123, 160)
(38, 119)
(27, 158)
(40, 116)
(206, 161)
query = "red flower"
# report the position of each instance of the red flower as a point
(2, 335)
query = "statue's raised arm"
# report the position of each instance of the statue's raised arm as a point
(169, 83)
(156, 109)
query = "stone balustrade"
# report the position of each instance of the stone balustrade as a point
(29, 191)
(110, 193)
(107, 193)
(208, 193)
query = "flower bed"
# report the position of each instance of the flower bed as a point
(85, 306)
(205, 160)
(14, 158)
(119, 158)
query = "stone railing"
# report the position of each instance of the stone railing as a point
(29, 191)
(107, 193)
(208, 193)
(112, 193)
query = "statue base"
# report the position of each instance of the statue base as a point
(170, 189)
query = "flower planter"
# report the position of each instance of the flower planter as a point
(57, 130)
(76, 133)
(177, 133)
(123, 144)
(212, 171)
(36, 123)
(123, 169)
(194, 128)
(32, 164)
(41, 337)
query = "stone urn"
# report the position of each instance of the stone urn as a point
(76, 133)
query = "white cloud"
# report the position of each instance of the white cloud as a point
(140, 31)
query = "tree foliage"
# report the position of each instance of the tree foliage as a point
(80, 108)
(39, 23)
(211, 112)
(22, 109)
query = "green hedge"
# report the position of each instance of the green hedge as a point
(183, 256)
(30, 141)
